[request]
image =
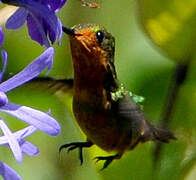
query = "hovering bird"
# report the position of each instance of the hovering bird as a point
(104, 110)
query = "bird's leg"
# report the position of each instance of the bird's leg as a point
(108, 159)
(74, 145)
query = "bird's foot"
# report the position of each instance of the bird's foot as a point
(74, 145)
(108, 160)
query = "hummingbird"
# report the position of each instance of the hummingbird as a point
(105, 111)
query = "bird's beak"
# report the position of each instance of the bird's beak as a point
(68, 31)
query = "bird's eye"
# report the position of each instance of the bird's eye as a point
(99, 36)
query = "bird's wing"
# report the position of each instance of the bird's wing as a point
(52, 85)
(131, 118)
(128, 111)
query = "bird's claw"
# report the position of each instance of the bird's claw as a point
(72, 148)
(74, 145)
(108, 160)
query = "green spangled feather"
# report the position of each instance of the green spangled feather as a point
(121, 92)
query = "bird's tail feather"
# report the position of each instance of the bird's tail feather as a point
(158, 134)
(162, 135)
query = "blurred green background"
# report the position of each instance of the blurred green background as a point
(143, 69)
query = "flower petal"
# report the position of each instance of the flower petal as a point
(4, 60)
(21, 134)
(3, 99)
(42, 12)
(38, 119)
(17, 19)
(12, 141)
(43, 17)
(28, 148)
(30, 72)
(59, 31)
(1, 36)
(54, 5)
(8, 173)
(36, 32)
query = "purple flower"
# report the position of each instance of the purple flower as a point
(41, 19)
(8, 173)
(38, 119)
(16, 141)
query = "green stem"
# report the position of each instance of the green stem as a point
(178, 79)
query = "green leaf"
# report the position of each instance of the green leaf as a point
(171, 25)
